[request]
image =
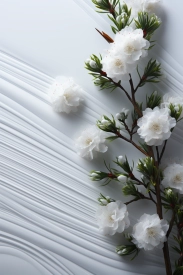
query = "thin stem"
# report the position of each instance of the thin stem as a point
(137, 199)
(132, 142)
(126, 93)
(157, 151)
(112, 10)
(150, 195)
(171, 224)
(163, 150)
(140, 82)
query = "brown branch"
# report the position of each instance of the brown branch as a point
(171, 224)
(167, 259)
(137, 199)
(140, 82)
(132, 142)
(158, 156)
(163, 150)
(150, 195)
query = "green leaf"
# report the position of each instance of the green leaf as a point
(130, 190)
(148, 23)
(110, 139)
(151, 73)
(154, 100)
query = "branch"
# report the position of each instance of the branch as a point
(150, 195)
(157, 151)
(137, 199)
(162, 152)
(171, 224)
(132, 142)
(117, 84)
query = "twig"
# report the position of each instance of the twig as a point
(171, 224)
(162, 152)
(157, 151)
(126, 93)
(137, 199)
(132, 142)
(150, 195)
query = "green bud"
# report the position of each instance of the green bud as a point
(124, 250)
(104, 200)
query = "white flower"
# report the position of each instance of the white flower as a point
(173, 177)
(112, 218)
(116, 67)
(121, 59)
(155, 125)
(65, 95)
(123, 112)
(131, 44)
(150, 232)
(176, 101)
(150, 6)
(91, 141)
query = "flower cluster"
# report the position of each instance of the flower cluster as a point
(150, 232)
(121, 59)
(112, 218)
(90, 142)
(65, 95)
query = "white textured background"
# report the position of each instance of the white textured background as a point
(47, 202)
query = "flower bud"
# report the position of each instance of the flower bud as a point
(125, 111)
(176, 108)
(121, 159)
(93, 64)
(119, 18)
(94, 175)
(122, 178)
(105, 122)
(118, 116)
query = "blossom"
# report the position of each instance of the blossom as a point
(173, 177)
(121, 59)
(89, 142)
(112, 218)
(131, 44)
(116, 67)
(150, 232)
(65, 95)
(170, 99)
(155, 125)
(150, 6)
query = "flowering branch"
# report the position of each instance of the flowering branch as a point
(127, 48)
